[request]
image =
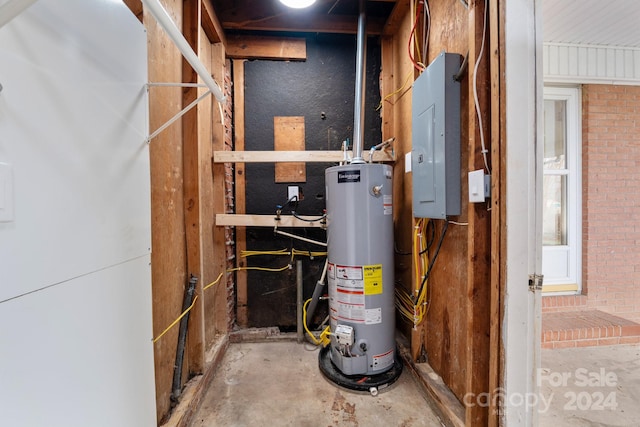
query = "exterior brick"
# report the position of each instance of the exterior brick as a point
(610, 210)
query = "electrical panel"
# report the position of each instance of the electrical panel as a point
(435, 154)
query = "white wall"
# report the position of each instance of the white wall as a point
(521, 322)
(75, 281)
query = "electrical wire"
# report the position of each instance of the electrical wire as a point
(415, 308)
(417, 65)
(395, 92)
(426, 28)
(435, 256)
(475, 91)
(324, 335)
(230, 270)
(176, 321)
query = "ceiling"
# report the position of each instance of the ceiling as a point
(594, 22)
(333, 16)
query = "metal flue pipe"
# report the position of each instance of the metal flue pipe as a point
(361, 72)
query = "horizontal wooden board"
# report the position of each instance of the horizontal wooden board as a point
(253, 47)
(267, 221)
(293, 156)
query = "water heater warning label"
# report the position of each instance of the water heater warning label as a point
(373, 316)
(373, 279)
(346, 290)
(381, 361)
(387, 203)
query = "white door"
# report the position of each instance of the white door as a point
(561, 199)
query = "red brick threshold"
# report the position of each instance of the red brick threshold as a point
(587, 328)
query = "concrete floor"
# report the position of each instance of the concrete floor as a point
(590, 386)
(279, 384)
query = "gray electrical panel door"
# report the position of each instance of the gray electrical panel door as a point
(435, 154)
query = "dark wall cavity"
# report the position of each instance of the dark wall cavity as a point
(322, 90)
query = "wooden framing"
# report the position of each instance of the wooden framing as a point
(495, 341)
(461, 336)
(192, 190)
(168, 255)
(254, 47)
(240, 203)
(292, 156)
(210, 24)
(479, 238)
(240, 220)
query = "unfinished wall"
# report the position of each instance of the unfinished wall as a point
(454, 338)
(610, 204)
(187, 189)
(321, 91)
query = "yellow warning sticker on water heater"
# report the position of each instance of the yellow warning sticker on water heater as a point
(372, 279)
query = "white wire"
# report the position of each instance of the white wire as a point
(475, 91)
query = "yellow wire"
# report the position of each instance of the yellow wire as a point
(213, 283)
(304, 322)
(396, 91)
(286, 267)
(324, 335)
(177, 320)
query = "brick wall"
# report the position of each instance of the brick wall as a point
(610, 203)
(230, 245)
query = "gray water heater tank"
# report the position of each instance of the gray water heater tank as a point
(360, 269)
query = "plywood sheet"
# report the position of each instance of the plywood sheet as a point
(288, 135)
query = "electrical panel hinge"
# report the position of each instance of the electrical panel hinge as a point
(535, 282)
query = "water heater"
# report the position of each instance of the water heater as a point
(360, 270)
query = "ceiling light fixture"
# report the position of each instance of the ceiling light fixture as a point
(298, 4)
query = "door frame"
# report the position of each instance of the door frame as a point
(521, 323)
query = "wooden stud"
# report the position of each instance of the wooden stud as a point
(496, 43)
(219, 259)
(192, 190)
(211, 25)
(278, 48)
(242, 316)
(479, 219)
(168, 276)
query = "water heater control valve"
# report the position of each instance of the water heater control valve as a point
(344, 335)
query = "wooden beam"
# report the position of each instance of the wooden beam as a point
(192, 191)
(240, 220)
(395, 19)
(219, 258)
(437, 392)
(278, 48)
(136, 7)
(312, 24)
(168, 260)
(496, 46)
(479, 219)
(293, 156)
(211, 25)
(240, 194)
